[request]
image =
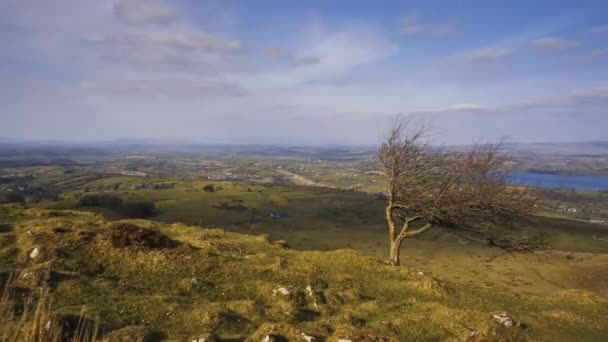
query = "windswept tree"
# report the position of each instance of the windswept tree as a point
(428, 186)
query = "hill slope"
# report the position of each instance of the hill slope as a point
(176, 282)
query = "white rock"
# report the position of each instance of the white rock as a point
(503, 319)
(195, 281)
(268, 338)
(35, 252)
(420, 273)
(312, 296)
(47, 326)
(308, 338)
(283, 290)
(344, 340)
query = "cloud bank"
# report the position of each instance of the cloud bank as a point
(108, 69)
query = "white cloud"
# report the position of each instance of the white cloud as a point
(165, 87)
(107, 70)
(483, 55)
(599, 29)
(283, 56)
(552, 44)
(145, 11)
(411, 25)
(600, 53)
(350, 46)
(591, 96)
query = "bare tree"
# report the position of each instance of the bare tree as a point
(426, 186)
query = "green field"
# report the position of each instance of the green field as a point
(328, 219)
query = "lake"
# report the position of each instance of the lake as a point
(547, 180)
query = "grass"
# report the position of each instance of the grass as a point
(31, 319)
(215, 282)
(328, 219)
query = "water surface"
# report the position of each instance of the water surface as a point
(547, 180)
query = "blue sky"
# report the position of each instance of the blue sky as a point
(302, 72)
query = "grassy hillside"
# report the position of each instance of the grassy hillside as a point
(176, 282)
(329, 219)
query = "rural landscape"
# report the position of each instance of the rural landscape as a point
(227, 229)
(312, 171)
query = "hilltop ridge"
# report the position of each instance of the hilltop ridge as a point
(177, 282)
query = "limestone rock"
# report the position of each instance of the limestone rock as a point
(35, 252)
(504, 319)
(308, 338)
(283, 290)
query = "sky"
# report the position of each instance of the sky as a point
(302, 72)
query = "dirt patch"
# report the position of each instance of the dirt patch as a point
(4, 228)
(126, 235)
(62, 230)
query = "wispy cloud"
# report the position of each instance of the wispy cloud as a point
(597, 96)
(284, 56)
(165, 87)
(599, 29)
(599, 53)
(145, 12)
(484, 55)
(552, 44)
(411, 25)
(211, 69)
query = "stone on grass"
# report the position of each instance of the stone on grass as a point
(204, 338)
(269, 338)
(196, 281)
(504, 319)
(308, 338)
(35, 252)
(283, 290)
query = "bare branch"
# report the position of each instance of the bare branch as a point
(462, 189)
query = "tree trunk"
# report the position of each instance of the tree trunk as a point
(394, 252)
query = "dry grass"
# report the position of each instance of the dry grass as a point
(32, 320)
(227, 285)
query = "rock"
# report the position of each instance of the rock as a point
(283, 290)
(420, 273)
(204, 338)
(35, 252)
(308, 338)
(504, 319)
(344, 340)
(196, 281)
(309, 291)
(269, 338)
(130, 333)
(48, 325)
